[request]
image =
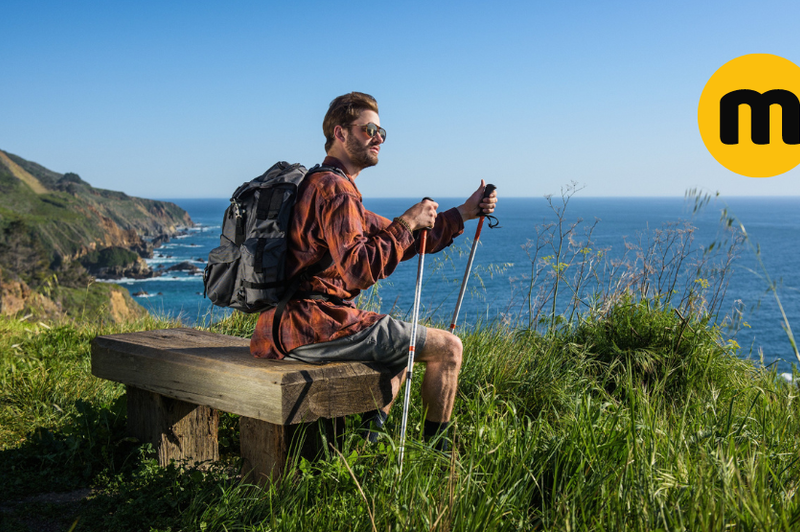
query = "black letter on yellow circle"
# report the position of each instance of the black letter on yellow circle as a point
(759, 109)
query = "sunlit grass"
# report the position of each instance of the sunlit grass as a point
(606, 427)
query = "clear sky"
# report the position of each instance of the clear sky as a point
(190, 99)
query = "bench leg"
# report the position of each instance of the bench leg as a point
(268, 449)
(178, 430)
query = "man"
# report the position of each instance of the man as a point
(331, 225)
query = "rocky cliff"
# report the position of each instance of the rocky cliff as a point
(71, 218)
(57, 228)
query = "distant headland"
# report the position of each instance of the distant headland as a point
(58, 234)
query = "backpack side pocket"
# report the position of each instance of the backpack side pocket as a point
(219, 277)
(262, 268)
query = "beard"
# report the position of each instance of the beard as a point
(360, 154)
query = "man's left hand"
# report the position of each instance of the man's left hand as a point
(476, 205)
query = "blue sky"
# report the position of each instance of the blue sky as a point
(189, 99)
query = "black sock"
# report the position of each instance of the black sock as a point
(372, 422)
(434, 429)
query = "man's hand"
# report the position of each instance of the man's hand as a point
(476, 205)
(422, 215)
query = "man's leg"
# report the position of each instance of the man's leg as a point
(441, 355)
(439, 350)
(442, 358)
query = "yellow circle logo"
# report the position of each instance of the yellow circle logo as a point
(749, 115)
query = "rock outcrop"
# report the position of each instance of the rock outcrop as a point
(100, 301)
(139, 269)
(185, 266)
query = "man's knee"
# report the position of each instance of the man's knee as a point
(443, 347)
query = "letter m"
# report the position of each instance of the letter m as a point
(759, 111)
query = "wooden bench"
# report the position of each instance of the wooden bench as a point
(178, 379)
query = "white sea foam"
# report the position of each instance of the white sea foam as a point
(164, 278)
(176, 245)
(787, 376)
(202, 228)
(176, 260)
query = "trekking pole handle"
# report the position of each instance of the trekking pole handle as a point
(423, 236)
(488, 189)
(493, 222)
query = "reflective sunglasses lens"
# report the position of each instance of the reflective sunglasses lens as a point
(372, 129)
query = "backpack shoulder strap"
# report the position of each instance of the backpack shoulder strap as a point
(326, 168)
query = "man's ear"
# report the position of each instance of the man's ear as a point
(338, 133)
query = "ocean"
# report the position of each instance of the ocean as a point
(499, 290)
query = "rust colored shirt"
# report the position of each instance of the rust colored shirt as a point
(365, 247)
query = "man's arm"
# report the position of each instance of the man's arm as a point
(360, 259)
(448, 225)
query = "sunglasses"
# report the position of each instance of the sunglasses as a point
(371, 130)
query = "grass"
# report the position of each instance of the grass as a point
(618, 406)
(639, 419)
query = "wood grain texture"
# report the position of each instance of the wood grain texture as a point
(264, 449)
(176, 429)
(270, 451)
(215, 370)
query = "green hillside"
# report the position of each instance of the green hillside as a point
(70, 217)
(50, 221)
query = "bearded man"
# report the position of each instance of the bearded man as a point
(356, 248)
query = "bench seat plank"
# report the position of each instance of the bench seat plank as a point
(216, 370)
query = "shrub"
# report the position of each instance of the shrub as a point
(112, 257)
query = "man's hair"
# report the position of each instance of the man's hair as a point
(343, 111)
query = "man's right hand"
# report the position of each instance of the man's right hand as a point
(422, 215)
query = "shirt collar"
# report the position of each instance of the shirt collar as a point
(336, 163)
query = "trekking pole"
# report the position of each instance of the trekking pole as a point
(487, 191)
(423, 240)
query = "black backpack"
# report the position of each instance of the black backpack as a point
(247, 271)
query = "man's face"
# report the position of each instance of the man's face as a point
(362, 149)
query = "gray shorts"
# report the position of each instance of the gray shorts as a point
(386, 343)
